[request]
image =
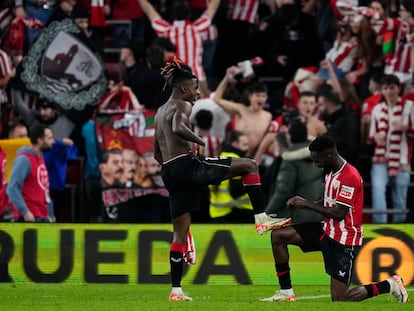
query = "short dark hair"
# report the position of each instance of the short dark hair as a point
(80, 13)
(204, 119)
(37, 131)
(306, 94)
(376, 77)
(408, 5)
(105, 155)
(256, 87)
(155, 56)
(390, 80)
(331, 97)
(281, 139)
(382, 2)
(165, 43)
(14, 125)
(233, 136)
(322, 143)
(137, 48)
(298, 131)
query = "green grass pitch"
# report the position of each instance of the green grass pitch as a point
(113, 297)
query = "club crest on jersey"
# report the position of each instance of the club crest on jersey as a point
(347, 192)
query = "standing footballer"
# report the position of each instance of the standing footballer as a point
(185, 172)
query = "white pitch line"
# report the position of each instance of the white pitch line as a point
(312, 297)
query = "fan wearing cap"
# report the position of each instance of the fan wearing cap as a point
(46, 112)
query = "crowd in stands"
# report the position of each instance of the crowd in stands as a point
(274, 74)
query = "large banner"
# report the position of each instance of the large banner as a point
(63, 67)
(226, 254)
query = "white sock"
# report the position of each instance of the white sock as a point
(288, 292)
(259, 217)
(177, 290)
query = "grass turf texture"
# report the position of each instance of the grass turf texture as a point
(155, 297)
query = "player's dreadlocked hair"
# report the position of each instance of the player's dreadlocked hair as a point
(175, 72)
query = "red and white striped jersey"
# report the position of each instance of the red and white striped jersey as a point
(243, 10)
(6, 17)
(343, 54)
(397, 149)
(211, 32)
(187, 38)
(6, 69)
(400, 62)
(345, 187)
(369, 104)
(212, 146)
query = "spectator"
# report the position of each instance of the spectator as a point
(28, 187)
(127, 10)
(252, 120)
(392, 122)
(220, 118)
(186, 35)
(341, 124)
(209, 39)
(369, 105)
(236, 31)
(342, 56)
(6, 209)
(63, 10)
(297, 175)
(167, 45)
(18, 130)
(203, 126)
(7, 71)
(82, 20)
(56, 163)
(289, 32)
(399, 63)
(46, 112)
(148, 85)
(306, 110)
(229, 202)
(41, 10)
(132, 57)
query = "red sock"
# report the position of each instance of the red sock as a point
(251, 180)
(180, 248)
